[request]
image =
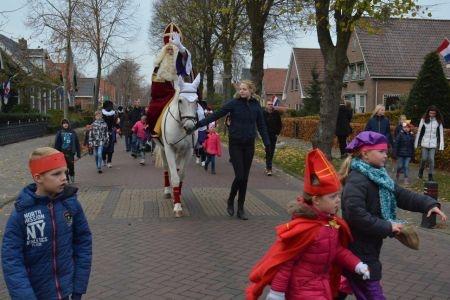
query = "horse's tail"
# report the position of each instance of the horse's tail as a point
(159, 163)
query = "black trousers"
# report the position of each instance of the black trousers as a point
(70, 157)
(241, 154)
(271, 152)
(342, 139)
(107, 156)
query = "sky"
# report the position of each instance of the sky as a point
(277, 55)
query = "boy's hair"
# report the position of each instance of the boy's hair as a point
(97, 112)
(41, 152)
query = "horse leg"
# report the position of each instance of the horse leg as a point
(182, 165)
(175, 181)
(167, 194)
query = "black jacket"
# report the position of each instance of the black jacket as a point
(361, 209)
(245, 117)
(344, 118)
(135, 114)
(273, 122)
(404, 144)
(74, 147)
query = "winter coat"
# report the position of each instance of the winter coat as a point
(110, 117)
(47, 246)
(67, 141)
(112, 140)
(308, 275)
(362, 211)
(98, 135)
(430, 135)
(404, 144)
(126, 124)
(273, 122)
(135, 114)
(344, 118)
(381, 125)
(246, 116)
(212, 144)
(140, 130)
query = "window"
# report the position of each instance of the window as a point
(391, 101)
(347, 74)
(296, 84)
(361, 105)
(353, 73)
(352, 99)
(361, 71)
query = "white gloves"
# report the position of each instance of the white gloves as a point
(362, 269)
(176, 40)
(274, 295)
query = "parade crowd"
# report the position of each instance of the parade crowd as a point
(47, 243)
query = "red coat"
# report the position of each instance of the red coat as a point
(306, 260)
(212, 144)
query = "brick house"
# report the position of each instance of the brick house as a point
(84, 97)
(298, 75)
(383, 66)
(273, 84)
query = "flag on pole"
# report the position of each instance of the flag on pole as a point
(275, 101)
(6, 90)
(444, 51)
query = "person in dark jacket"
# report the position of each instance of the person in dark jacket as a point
(112, 121)
(135, 115)
(66, 141)
(343, 128)
(404, 151)
(274, 126)
(125, 128)
(369, 202)
(380, 123)
(246, 115)
(47, 231)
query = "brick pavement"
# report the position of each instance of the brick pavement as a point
(142, 252)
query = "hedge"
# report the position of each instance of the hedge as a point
(305, 128)
(76, 119)
(21, 117)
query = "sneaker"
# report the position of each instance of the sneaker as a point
(269, 172)
(142, 162)
(133, 155)
(104, 163)
(197, 160)
(100, 171)
(109, 165)
(203, 163)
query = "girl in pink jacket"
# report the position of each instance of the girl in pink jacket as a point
(213, 147)
(140, 130)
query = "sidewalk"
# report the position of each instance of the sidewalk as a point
(142, 252)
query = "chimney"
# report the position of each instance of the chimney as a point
(23, 44)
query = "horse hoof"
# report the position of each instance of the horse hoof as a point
(178, 214)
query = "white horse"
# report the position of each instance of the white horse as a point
(177, 146)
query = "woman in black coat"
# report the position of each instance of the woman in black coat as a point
(343, 128)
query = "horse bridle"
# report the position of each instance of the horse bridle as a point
(179, 121)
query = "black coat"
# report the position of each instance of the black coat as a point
(344, 118)
(246, 116)
(404, 144)
(135, 114)
(273, 122)
(361, 209)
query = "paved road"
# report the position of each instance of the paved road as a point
(142, 252)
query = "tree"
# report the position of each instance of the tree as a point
(101, 24)
(56, 18)
(342, 17)
(430, 88)
(127, 80)
(314, 95)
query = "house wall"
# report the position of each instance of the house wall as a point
(293, 99)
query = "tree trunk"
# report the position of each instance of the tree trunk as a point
(97, 83)
(210, 79)
(227, 75)
(258, 51)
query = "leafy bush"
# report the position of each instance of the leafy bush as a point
(76, 119)
(23, 108)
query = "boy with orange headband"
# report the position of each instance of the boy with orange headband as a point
(306, 260)
(47, 245)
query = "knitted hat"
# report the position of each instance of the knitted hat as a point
(368, 140)
(320, 176)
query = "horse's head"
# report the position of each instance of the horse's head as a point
(187, 103)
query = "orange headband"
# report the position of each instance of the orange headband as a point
(47, 163)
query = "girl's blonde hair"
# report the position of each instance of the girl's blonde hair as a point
(345, 167)
(377, 109)
(402, 119)
(250, 84)
(41, 152)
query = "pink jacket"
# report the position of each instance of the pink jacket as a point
(307, 276)
(212, 144)
(140, 130)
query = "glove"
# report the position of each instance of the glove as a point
(274, 295)
(362, 269)
(76, 296)
(176, 40)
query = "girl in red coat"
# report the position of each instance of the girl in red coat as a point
(213, 147)
(306, 260)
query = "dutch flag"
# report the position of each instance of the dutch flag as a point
(444, 50)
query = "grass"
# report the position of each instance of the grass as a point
(292, 161)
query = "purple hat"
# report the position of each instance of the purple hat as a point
(368, 140)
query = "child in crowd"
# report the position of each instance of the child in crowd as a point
(369, 201)
(213, 148)
(404, 151)
(306, 260)
(47, 231)
(140, 130)
(66, 141)
(98, 138)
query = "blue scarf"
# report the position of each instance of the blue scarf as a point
(386, 187)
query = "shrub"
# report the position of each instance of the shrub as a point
(22, 117)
